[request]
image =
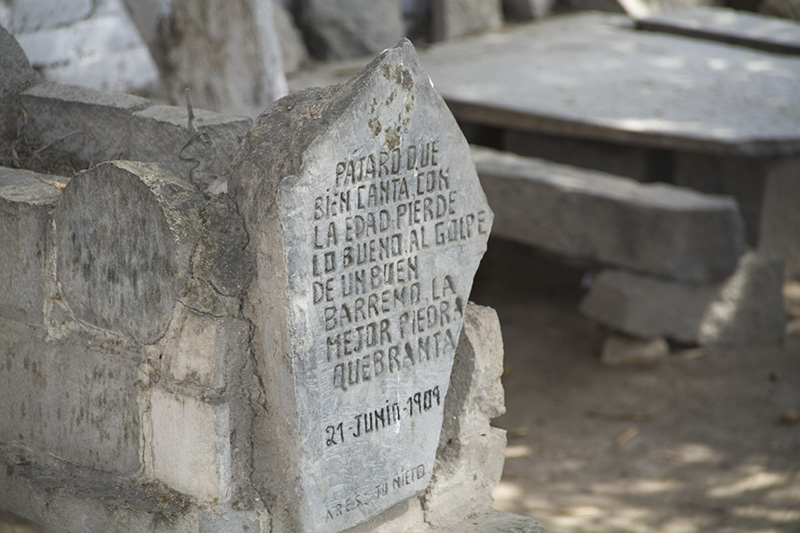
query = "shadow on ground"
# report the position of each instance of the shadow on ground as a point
(694, 443)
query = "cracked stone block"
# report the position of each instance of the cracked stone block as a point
(71, 399)
(471, 453)
(657, 229)
(125, 232)
(746, 308)
(191, 445)
(160, 134)
(26, 204)
(92, 125)
(199, 348)
(366, 224)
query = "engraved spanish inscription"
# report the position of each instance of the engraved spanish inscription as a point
(366, 238)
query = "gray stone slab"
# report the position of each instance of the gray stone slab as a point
(659, 229)
(73, 399)
(454, 18)
(747, 308)
(25, 206)
(92, 125)
(341, 29)
(125, 232)
(590, 76)
(729, 26)
(160, 134)
(366, 223)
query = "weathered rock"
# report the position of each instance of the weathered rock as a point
(125, 232)
(366, 226)
(16, 74)
(340, 29)
(160, 134)
(72, 399)
(471, 453)
(225, 51)
(621, 350)
(451, 18)
(293, 50)
(747, 308)
(658, 229)
(25, 206)
(91, 125)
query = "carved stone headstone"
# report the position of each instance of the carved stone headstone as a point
(367, 223)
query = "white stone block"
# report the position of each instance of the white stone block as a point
(190, 445)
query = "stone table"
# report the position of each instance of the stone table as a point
(591, 90)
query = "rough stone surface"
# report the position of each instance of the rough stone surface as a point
(25, 206)
(340, 29)
(125, 232)
(225, 51)
(730, 26)
(92, 125)
(199, 349)
(293, 50)
(16, 74)
(72, 399)
(451, 18)
(658, 229)
(160, 134)
(745, 309)
(358, 295)
(621, 350)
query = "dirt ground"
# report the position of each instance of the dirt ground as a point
(693, 443)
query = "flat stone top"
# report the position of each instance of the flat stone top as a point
(85, 95)
(593, 76)
(178, 116)
(24, 186)
(729, 25)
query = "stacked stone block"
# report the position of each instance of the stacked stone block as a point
(674, 262)
(136, 396)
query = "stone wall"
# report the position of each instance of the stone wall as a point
(138, 393)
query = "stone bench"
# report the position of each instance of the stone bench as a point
(672, 257)
(656, 229)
